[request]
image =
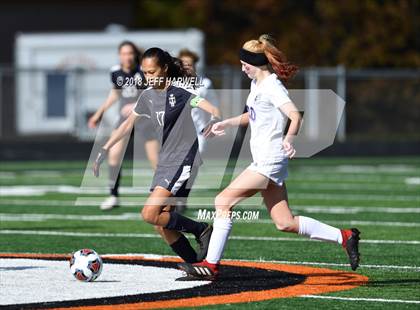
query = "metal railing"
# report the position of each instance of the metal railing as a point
(380, 102)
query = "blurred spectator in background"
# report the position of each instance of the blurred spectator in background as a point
(205, 90)
(127, 81)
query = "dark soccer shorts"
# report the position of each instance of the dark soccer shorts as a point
(177, 179)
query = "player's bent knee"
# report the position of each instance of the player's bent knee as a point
(158, 229)
(149, 216)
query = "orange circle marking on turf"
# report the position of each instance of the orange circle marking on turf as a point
(318, 281)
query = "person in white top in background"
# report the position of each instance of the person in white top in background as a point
(189, 61)
(269, 107)
(126, 88)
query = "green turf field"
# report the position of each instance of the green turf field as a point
(380, 196)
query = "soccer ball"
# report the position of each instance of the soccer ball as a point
(86, 265)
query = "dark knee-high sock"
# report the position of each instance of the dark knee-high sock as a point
(183, 249)
(181, 223)
(114, 171)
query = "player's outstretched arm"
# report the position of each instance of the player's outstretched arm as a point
(218, 129)
(125, 129)
(110, 100)
(216, 116)
(291, 111)
(209, 108)
(240, 120)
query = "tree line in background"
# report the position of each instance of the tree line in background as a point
(355, 33)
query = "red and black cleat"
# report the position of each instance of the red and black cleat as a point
(351, 245)
(199, 271)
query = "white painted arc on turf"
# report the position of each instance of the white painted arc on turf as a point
(28, 285)
(362, 299)
(160, 256)
(144, 235)
(38, 217)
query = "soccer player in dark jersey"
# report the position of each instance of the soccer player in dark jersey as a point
(127, 80)
(169, 108)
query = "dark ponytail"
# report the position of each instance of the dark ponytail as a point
(163, 58)
(137, 53)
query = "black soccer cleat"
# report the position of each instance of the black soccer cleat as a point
(199, 271)
(188, 277)
(203, 242)
(351, 245)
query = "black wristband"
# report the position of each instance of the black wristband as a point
(102, 154)
(213, 120)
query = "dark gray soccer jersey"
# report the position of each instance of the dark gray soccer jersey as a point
(170, 112)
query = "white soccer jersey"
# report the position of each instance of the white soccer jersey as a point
(267, 122)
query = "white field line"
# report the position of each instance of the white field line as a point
(331, 180)
(322, 169)
(351, 223)
(375, 223)
(261, 260)
(133, 202)
(413, 181)
(143, 235)
(417, 268)
(354, 210)
(4, 175)
(39, 217)
(339, 185)
(355, 197)
(365, 169)
(39, 190)
(362, 299)
(346, 178)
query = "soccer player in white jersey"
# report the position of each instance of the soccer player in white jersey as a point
(269, 107)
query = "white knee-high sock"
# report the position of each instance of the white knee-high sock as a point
(317, 230)
(219, 237)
